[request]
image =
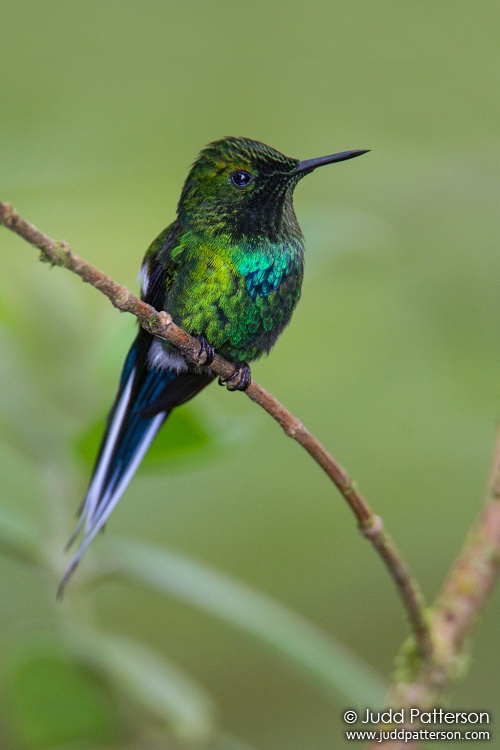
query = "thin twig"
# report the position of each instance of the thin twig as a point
(456, 608)
(161, 324)
(473, 574)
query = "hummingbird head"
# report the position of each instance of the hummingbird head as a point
(244, 188)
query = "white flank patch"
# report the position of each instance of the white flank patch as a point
(159, 358)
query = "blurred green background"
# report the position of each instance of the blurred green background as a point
(392, 360)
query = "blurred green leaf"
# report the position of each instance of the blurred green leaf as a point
(54, 702)
(149, 679)
(19, 540)
(330, 664)
(186, 435)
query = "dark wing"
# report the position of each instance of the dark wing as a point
(159, 265)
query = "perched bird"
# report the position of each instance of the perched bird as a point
(229, 271)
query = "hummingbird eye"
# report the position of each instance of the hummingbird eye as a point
(240, 178)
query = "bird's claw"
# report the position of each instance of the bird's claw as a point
(239, 380)
(205, 355)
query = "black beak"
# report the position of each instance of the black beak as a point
(310, 164)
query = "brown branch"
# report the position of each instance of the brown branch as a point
(456, 608)
(161, 324)
(473, 574)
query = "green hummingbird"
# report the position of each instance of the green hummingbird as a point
(229, 271)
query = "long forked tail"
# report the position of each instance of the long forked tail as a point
(145, 399)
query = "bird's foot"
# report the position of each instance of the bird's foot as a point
(205, 355)
(239, 380)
